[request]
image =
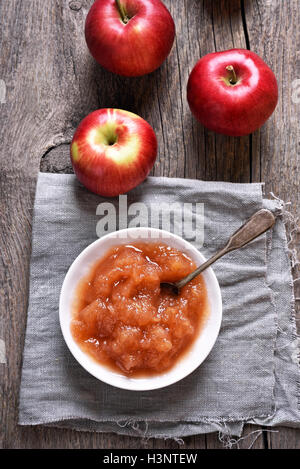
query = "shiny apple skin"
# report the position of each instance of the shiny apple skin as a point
(132, 49)
(116, 168)
(232, 110)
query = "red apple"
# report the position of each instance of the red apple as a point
(129, 37)
(112, 151)
(232, 92)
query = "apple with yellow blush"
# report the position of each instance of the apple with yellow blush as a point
(113, 151)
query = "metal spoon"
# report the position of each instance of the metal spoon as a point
(258, 224)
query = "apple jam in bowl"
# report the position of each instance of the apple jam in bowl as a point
(126, 330)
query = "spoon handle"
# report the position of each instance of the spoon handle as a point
(258, 224)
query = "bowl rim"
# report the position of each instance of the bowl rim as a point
(85, 360)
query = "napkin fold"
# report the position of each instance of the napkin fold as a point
(251, 375)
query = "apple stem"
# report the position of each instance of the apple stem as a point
(232, 75)
(122, 12)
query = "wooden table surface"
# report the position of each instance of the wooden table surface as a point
(49, 82)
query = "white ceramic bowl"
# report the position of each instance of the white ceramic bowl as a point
(196, 353)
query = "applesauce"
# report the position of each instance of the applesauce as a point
(125, 321)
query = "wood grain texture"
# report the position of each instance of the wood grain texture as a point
(273, 32)
(52, 83)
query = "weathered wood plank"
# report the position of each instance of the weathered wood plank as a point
(273, 32)
(37, 61)
(287, 438)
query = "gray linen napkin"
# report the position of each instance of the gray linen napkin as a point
(252, 373)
